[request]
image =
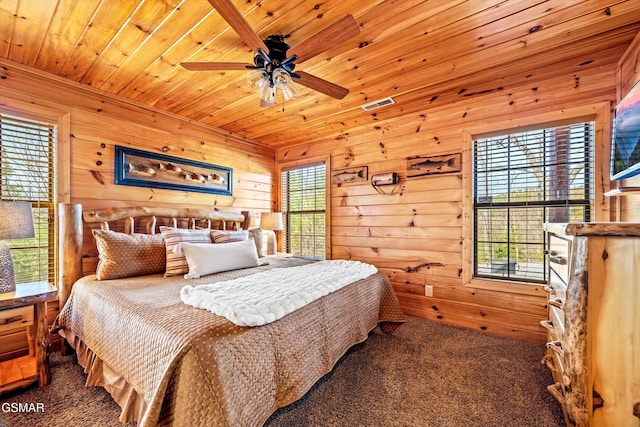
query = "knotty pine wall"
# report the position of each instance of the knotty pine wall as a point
(98, 122)
(415, 236)
(418, 236)
(92, 123)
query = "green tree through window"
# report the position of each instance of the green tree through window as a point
(304, 211)
(521, 181)
(27, 173)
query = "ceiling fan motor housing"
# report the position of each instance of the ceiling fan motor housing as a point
(277, 54)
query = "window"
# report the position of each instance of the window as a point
(27, 173)
(304, 201)
(521, 181)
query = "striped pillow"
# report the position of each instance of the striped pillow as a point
(223, 236)
(173, 239)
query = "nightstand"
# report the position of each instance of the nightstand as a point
(25, 308)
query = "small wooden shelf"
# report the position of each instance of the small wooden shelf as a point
(623, 191)
(18, 373)
(27, 305)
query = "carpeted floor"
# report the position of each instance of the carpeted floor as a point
(426, 374)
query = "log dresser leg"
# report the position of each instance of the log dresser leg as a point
(42, 345)
(593, 323)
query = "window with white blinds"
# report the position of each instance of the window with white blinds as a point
(304, 200)
(521, 181)
(27, 173)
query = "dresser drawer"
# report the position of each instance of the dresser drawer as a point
(555, 323)
(560, 256)
(552, 332)
(557, 287)
(553, 360)
(556, 318)
(16, 318)
(558, 367)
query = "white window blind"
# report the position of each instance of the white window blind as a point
(521, 181)
(304, 211)
(27, 173)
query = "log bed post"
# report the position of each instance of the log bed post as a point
(244, 225)
(70, 244)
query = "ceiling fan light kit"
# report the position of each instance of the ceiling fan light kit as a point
(273, 72)
(272, 68)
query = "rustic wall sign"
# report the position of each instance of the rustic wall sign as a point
(145, 169)
(348, 175)
(431, 165)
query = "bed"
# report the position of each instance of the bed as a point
(166, 362)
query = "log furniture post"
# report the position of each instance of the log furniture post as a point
(70, 244)
(594, 322)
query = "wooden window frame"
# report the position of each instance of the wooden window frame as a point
(62, 121)
(283, 167)
(599, 113)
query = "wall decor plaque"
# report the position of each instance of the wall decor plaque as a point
(348, 175)
(146, 169)
(431, 165)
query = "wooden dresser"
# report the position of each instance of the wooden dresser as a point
(594, 322)
(25, 308)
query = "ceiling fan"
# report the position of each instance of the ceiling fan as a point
(274, 60)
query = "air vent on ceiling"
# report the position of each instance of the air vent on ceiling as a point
(378, 104)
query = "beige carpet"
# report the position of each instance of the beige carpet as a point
(426, 374)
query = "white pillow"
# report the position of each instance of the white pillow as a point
(173, 240)
(209, 258)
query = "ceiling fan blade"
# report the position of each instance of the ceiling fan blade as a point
(321, 85)
(214, 66)
(341, 30)
(228, 11)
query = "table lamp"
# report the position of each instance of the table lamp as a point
(271, 221)
(16, 222)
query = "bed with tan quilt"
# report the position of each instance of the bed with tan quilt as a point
(139, 331)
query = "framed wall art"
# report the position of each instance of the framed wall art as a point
(146, 169)
(348, 175)
(432, 165)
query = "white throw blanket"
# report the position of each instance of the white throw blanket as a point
(270, 295)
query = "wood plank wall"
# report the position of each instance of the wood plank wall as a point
(97, 122)
(416, 236)
(628, 207)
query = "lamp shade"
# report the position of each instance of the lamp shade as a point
(16, 220)
(271, 221)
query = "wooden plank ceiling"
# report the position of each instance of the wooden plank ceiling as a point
(423, 53)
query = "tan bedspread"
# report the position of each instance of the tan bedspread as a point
(192, 367)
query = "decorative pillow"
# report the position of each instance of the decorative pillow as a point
(124, 255)
(224, 236)
(258, 237)
(174, 238)
(212, 258)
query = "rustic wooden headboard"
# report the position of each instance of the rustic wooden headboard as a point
(73, 222)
